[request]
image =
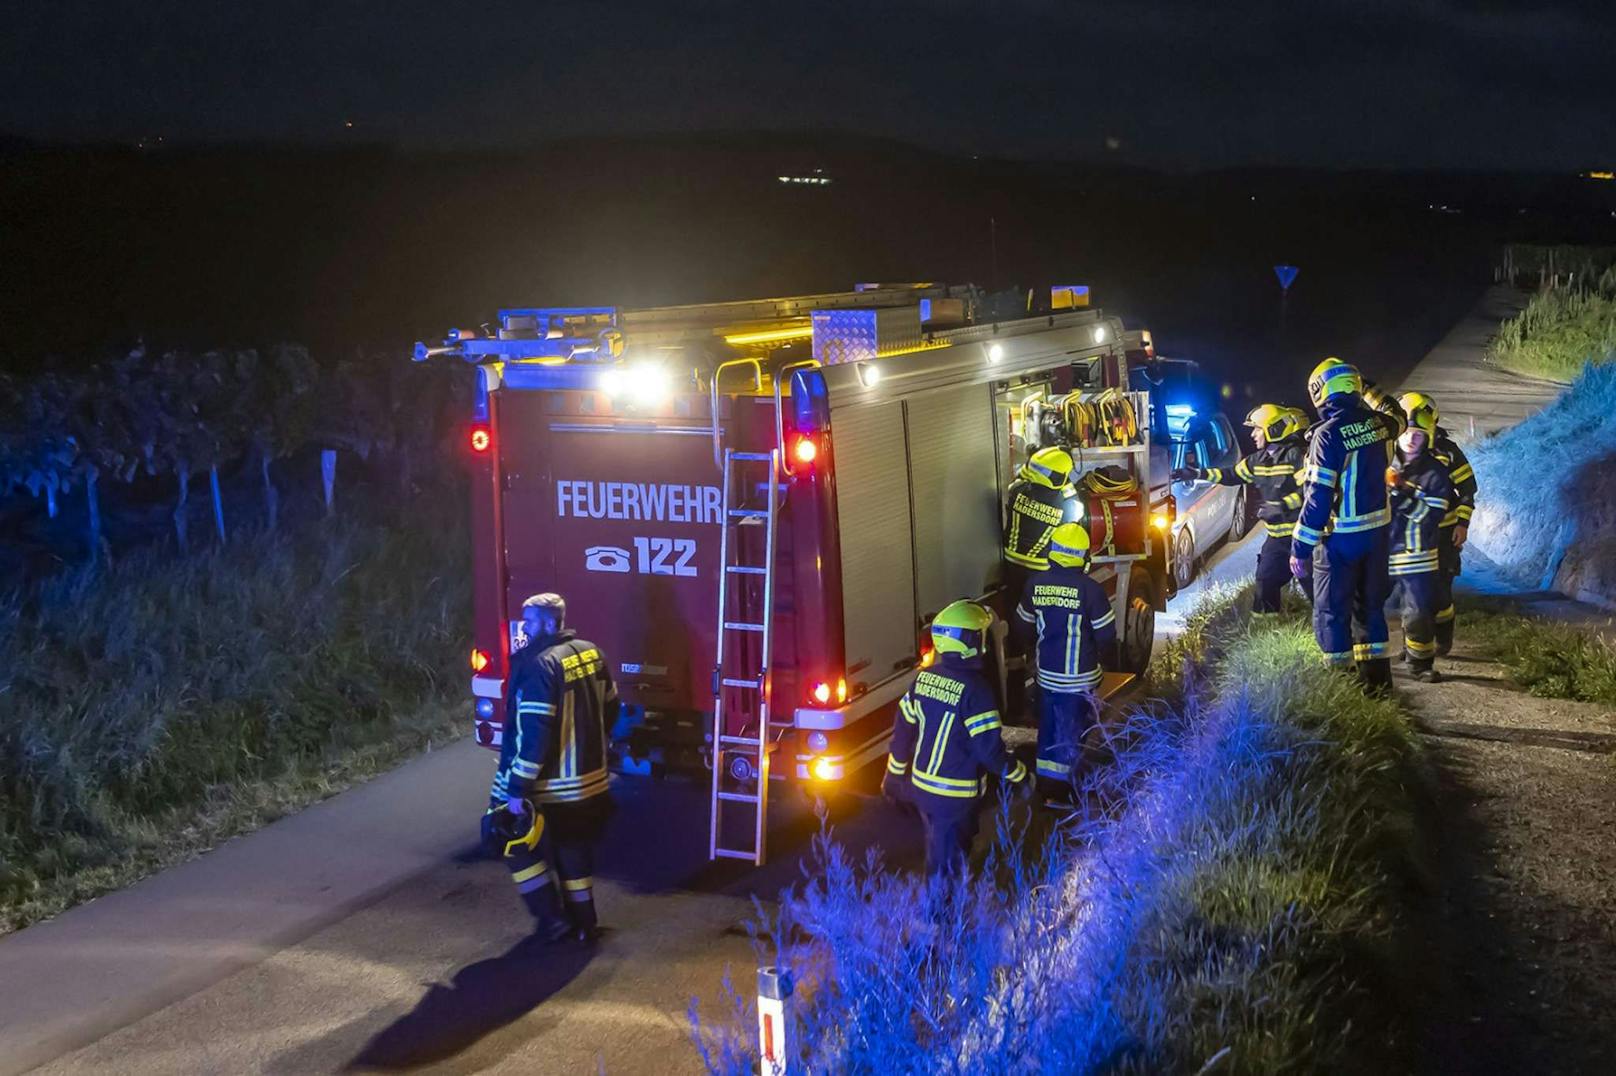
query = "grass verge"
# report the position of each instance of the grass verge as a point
(1549, 659)
(1560, 331)
(158, 707)
(1228, 900)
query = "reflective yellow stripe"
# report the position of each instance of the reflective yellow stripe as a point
(531, 872)
(1419, 649)
(936, 787)
(894, 766)
(1280, 530)
(937, 742)
(575, 884)
(1445, 615)
(1017, 773)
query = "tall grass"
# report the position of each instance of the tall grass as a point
(152, 707)
(1560, 332)
(1227, 901)
(1552, 660)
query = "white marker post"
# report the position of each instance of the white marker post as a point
(774, 990)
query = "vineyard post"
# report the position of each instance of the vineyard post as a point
(328, 474)
(183, 471)
(218, 503)
(92, 501)
(272, 499)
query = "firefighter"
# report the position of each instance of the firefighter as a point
(550, 787)
(1071, 619)
(1421, 495)
(1344, 522)
(1275, 472)
(1040, 499)
(946, 740)
(1456, 523)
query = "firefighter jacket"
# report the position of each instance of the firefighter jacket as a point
(945, 740)
(562, 704)
(1075, 624)
(1463, 477)
(1032, 511)
(1275, 472)
(1344, 480)
(1419, 501)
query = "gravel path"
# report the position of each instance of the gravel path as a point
(1524, 927)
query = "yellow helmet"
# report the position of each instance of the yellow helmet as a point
(1301, 417)
(1069, 545)
(1421, 415)
(1332, 377)
(1275, 422)
(1050, 467)
(1419, 407)
(961, 628)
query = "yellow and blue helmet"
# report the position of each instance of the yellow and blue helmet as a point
(961, 628)
(1275, 422)
(1421, 411)
(1050, 467)
(1069, 545)
(1332, 377)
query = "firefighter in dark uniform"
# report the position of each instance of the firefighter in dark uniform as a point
(549, 801)
(1040, 499)
(946, 740)
(1456, 524)
(1274, 471)
(1071, 618)
(1344, 522)
(1421, 495)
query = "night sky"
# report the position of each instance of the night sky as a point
(1389, 83)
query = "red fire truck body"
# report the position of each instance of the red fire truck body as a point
(755, 508)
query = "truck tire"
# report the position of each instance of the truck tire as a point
(1136, 635)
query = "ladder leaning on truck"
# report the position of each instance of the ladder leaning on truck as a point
(756, 507)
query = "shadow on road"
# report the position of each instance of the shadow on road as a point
(481, 999)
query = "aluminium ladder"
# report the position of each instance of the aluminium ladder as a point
(742, 731)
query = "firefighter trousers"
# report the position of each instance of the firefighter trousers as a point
(1350, 588)
(1064, 719)
(1416, 599)
(950, 832)
(558, 874)
(1273, 572)
(1448, 562)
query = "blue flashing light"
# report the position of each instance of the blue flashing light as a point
(485, 708)
(1181, 410)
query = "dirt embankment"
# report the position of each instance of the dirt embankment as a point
(1525, 832)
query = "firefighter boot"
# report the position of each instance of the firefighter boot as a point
(1424, 671)
(1375, 674)
(548, 923)
(1444, 636)
(580, 893)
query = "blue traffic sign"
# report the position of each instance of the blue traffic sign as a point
(1287, 275)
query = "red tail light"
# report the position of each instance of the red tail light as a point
(480, 660)
(481, 438)
(820, 693)
(804, 450)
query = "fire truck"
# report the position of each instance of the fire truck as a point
(756, 507)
